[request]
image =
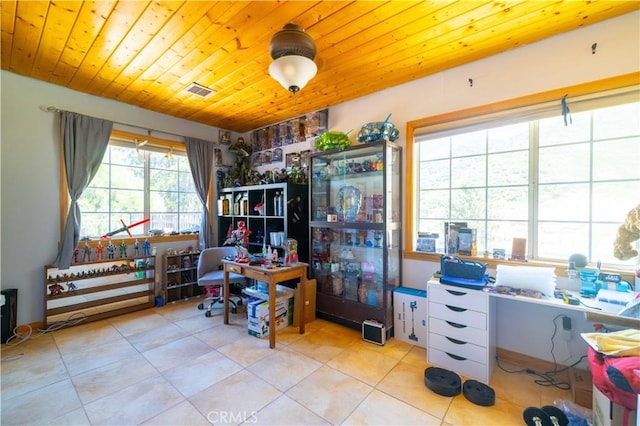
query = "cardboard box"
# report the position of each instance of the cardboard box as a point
(606, 413)
(410, 316)
(581, 387)
(258, 316)
(309, 304)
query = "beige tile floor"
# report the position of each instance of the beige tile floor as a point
(173, 366)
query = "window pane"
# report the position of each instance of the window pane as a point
(94, 224)
(434, 149)
(602, 245)
(617, 121)
(94, 200)
(186, 182)
(163, 179)
(564, 163)
(616, 159)
(611, 201)
(508, 169)
(469, 144)
(468, 172)
(101, 178)
(553, 131)
(508, 203)
(189, 203)
(468, 203)
(434, 174)
(434, 204)
(509, 138)
(500, 235)
(168, 222)
(561, 240)
(125, 156)
(163, 201)
(564, 202)
(127, 177)
(127, 201)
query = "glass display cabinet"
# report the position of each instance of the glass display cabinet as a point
(355, 232)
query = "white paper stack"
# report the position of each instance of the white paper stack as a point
(527, 277)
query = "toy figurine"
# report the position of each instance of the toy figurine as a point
(136, 247)
(75, 254)
(55, 289)
(146, 247)
(71, 287)
(99, 251)
(111, 250)
(123, 249)
(86, 252)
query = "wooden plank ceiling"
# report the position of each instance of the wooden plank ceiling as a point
(146, 53)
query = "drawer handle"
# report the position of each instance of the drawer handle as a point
(456, 325)
(455, 293)
(456, 341)
(455, 308)
(456, 357)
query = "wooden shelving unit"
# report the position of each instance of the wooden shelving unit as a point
(181, 276)
(99, 289)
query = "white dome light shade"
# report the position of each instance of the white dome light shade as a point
(293, 71)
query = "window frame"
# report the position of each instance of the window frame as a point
(130, 137)
(590, 88)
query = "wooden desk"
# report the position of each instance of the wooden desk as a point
(272, 277)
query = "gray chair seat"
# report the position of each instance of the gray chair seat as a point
(210, 274)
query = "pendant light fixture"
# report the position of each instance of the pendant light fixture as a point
(293, 51)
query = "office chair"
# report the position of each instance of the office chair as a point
(210, 274)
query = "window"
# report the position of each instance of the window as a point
(523, 173)
(133, 184)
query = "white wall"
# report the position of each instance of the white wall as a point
(30, 175)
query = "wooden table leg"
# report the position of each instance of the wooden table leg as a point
(272, 313)
(225, 298)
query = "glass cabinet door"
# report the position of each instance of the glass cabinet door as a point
(355, 233)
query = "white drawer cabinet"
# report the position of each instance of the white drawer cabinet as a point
(461, 330)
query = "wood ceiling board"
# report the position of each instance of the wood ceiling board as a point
(160, 73)
(7, 27)
(166, 36)
(122, 17)
(92, 17)
(30, 19)
(60, 20)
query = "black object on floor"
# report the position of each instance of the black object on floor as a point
(479, 393)
(536, 417)
(443, 382)
(558, 417)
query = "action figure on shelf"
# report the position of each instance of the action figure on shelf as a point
(71, 287)
(99, 251)
(111, 250)
(136, 247)
(55, 289)
(123, 249)
(86, 252)
(76, 252)
(146, 247)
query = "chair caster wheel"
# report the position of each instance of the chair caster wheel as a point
(207, 314)
(201, 306)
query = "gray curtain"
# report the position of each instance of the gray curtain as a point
(85, 140)
(200, 155)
